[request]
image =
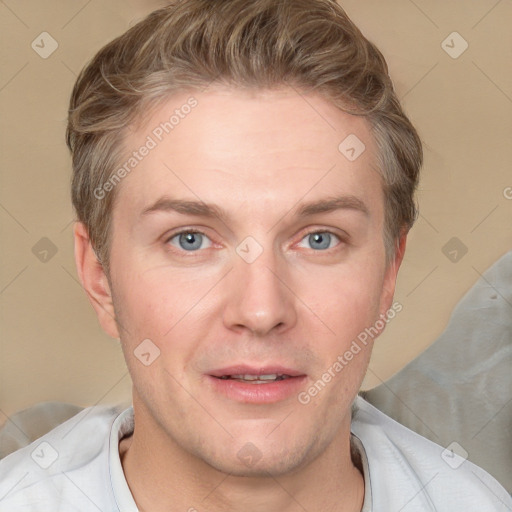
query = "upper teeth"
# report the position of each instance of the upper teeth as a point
(270, 376)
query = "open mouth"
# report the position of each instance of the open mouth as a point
(259, 386)
(256, 379)
(256, 383)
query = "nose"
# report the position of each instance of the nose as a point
(258, 297)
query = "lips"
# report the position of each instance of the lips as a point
(254, 372)
(257, 379)
(256, 384)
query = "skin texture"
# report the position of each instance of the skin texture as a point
(259, 156)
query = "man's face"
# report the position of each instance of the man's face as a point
(269, 287)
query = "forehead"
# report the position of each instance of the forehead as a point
(258, 148)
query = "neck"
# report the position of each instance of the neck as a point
(164, 477)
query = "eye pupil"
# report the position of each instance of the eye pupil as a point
(320, 240)
(190, 240)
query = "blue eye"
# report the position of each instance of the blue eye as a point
(190, 241)
(321, 240)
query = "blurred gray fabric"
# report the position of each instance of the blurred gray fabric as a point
(30, 424)
(460, 389)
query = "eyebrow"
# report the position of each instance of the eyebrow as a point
(202, 209)
(332, 204)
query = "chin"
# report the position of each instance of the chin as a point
(250, 461)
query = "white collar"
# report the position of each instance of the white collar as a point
(124, 425)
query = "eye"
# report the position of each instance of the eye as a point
(320, 240)
(190, 241)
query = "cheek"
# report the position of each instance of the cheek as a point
(148, 306)
(166, 306)
(347, 303)
(153, 311)
(345, 300)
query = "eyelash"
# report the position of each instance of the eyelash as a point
(341, 239)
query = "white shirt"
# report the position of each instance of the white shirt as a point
(76, 467)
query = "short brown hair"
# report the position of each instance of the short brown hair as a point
(311, 45)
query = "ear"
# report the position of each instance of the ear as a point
(388, 288)
(94, 280)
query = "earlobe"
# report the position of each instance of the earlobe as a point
(94, 280)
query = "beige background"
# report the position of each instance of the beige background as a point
(52, 347)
